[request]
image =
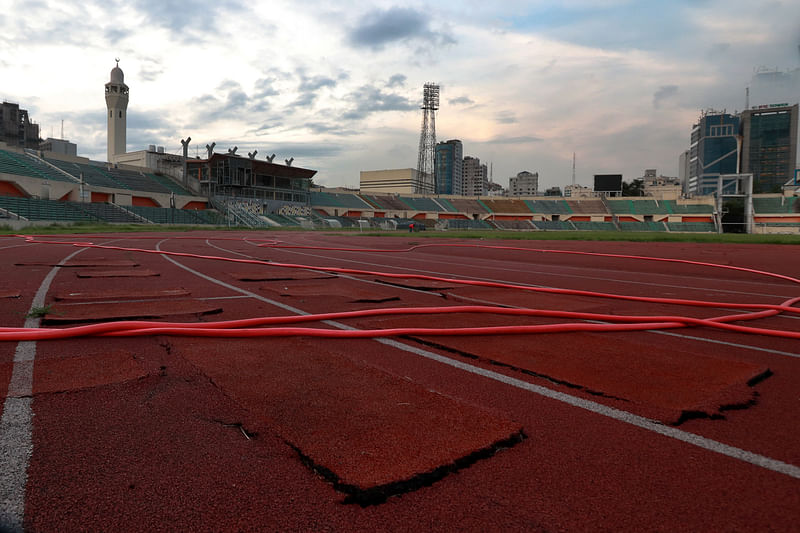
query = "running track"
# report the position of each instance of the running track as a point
(691, 428)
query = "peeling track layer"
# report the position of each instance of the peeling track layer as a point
(378, 495)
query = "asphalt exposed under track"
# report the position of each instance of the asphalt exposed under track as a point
(572, 431)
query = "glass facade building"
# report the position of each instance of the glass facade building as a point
(448, 168)
(769, 146)
(713, 151)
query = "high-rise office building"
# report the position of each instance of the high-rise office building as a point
(713, 151)
(769, 145)
(476, 177)
(449, 157)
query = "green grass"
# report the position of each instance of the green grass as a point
(567, 235)
(38, 312)
(91, 227)
(637, 236)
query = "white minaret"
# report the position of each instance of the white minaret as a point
(117, 104)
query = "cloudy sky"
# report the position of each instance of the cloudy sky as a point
(338, 85)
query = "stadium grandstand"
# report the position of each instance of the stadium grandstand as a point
(38, 187)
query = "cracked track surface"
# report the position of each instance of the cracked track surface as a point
(164, 434)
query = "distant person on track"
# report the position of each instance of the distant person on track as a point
(411, 228)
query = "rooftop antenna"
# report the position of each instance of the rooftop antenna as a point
(746, 98)
(62, 129)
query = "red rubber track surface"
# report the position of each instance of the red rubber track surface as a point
(164, 433)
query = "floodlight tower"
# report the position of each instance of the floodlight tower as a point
(427, 139)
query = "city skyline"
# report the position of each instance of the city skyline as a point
(524, 85)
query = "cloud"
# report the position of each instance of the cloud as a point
(230, 102)
(716, 50)
(333, 129)
(525, 139)
(506, 117)
(371, 99)
(461, 100)
(663, 93)
(315, 83)
(379, 28)
(284, 150)
(150, 71)
(398, 80)
(197, 23)
(309, 89)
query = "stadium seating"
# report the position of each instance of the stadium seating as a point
(467, 224)
(776, 205)
(106, 212)
(689, 209)
(166, 215)
(552, 225)
(447, 204)
(507, 205)
(168, 184)
(468, 205)
(587, 206)
(594, 226)
(423, 204)
(642, 226)
(328, 199)
(26, 165)
(549, 207)
(392, 203)
(283, 220)
(92, 175)
(706, 227)
(512, 224)
(33, 209)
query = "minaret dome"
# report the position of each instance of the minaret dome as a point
(117, 106)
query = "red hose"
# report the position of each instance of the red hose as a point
(249, 327)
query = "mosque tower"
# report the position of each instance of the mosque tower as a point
(117, 104)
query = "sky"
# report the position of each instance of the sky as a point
(338, 85)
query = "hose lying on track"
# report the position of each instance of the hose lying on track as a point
(254, 327)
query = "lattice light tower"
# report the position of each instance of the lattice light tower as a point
(427, 139)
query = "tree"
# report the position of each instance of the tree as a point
(634, 188)
(733, 216)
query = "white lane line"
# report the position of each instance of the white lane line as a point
(623, 416)
(610, 280)
(616, 414)
(759, 281)
(16, 424)
(488, 302)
